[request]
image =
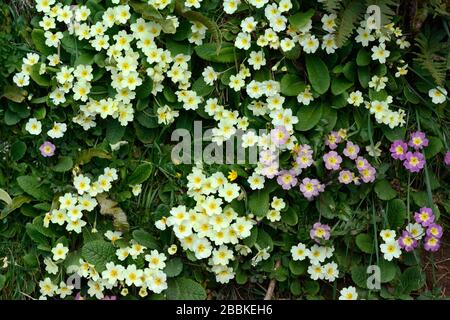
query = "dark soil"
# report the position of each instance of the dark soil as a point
(441, 267)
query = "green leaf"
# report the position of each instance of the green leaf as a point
(227, 53)
(280, 274)
(35, 235)
(11, 118)
(364, 76)
(340, 85)
(296, 288)
(21, 109)
(16, 203)
(72, 45)
(144, 134)
(349, 71)
(145, 89)
(300, 19)
(264, 240)
(318, 74)
(397, 133)
(39, 100)
(311, 287)
(144, 238)
(384, 190)
(14, 93)
(308, 117)
(98, 253)
(201, 87)
(329, 118)
(339, 102)
(258, 202)
(4, 196)
(94, 6)
(85, 58)
(40, 112)
(114, 131)
(33, 187)
(18, 150)
(173, 267)
(294, 53)
(435, 146)
(141, 174)
(298, 267)
(396, 213)
(241, 277)
(38, 223)
(31, 261)
(365, 243)
(410, 95)
(185, 289)
(359, 276)
(86, 156)
(2, 281)
(363, 58)
(387, 270)
(292, 85)
(64, 164)
(37, 35)
(41, 80)
(412, 279)
(326, 205)
(420, 198)
(100, 59)
(147, 120)
(378, 95)
(289, 217)
(251, 240)
(176, 47)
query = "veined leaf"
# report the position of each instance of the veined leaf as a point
(318, 74)
(226, 54)
(185, 289)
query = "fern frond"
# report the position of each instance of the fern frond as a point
(387, 9)
(439, 8)
(331, 6)
(430, 59)
(347, 19)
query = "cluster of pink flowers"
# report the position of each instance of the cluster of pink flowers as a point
(434, 231)
(333, 161)
(288, 178)
(320, 232)
(414, 160)
(309, 187)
